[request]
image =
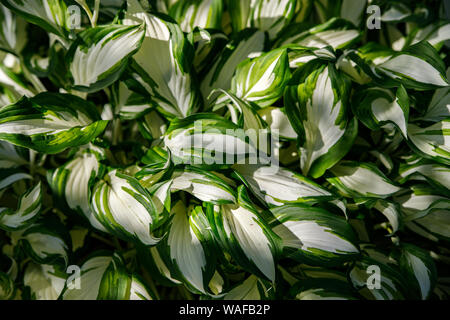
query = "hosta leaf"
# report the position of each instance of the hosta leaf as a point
(266, 15)
(239, 13)
(249, 118)
(202, 184)
(419, 269)
(436, 34)
(262, 79)
(13, 81)
(157, 265)
(10, 176)
(50, 122)
(249, 43)
(12, 31)
(103, 277)
(437, 175)
(48, 14)
(204, 14)
(12, 156)
(396, 12)
(74, 181)
(323, 289)
(300, 55)
(189, 251)
(125, 208)
(139, 291)
(391, 211)
(313, 235)
(336, 33)
(303, 10)
(252, 288)
(410, 66)
(376, 106)
(128, 104)
(353, 70)
(46, 282)
(100, 54)
(167, 79)
(242, 233)
(419, 67)
(277, 186)
(45, 242)
(432, 142)
(207, 139)
(353, 11)
(361, 180)
(428, 213)
(439, 107)
(28, 209)
(271, 16)
(317, 111)
(278, 122)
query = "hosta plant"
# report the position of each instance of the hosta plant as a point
(224, 149)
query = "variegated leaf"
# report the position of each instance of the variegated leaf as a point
(361, 180)
(125, 208)
(241, 232)
(190, 252)
(103, 277)
(278, 122)
(46, 282)
(314, 235)
(167, 78)
(12, 31)
(12, 156)
(436, 34)
(262, 79)
(252, 288)
(277, 186)
(204, 185)
(207, 139)
(317, 109)
(100, 54)
(48, 14)
(426, 212)
(28, 209)
(139, 291)
(418, 67)
(249, 43)
(354, 10)
(419, 269)
(46, 242)
(376, 106)
(323, 289)
(336, 33)
(206, 14)
(437, 175)
(74, 181)
(439, 107)
(266, 15)
(432, 142)
(50, 122)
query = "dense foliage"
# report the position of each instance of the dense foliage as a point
(125, 153)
